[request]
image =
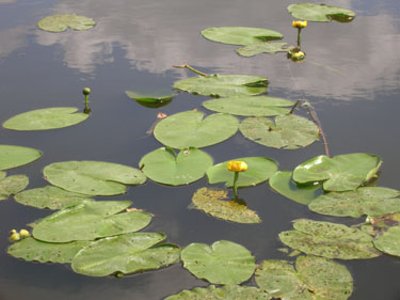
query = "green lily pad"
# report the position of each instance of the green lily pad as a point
(50, 197)
(165, 166)
(241, 36)
(92, 177)
(227, 292)
(90, 220)
(371, 201)
(389, 241)
(224, 262)
(46, 118)
(329, 240)
(319, 12)
(30, 249)
(258, 48)
(282, 183)
(341, 173)
(60, 23)
(191, 129)
(259, 170)
(151, 101)
(16, 156)
(217, 204)
(250, 105)
(287, 132)
(12, 185)
(126, 254)
(223, 85)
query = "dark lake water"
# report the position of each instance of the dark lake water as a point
(351, 76)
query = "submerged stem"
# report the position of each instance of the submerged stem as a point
(299, 37)
(235, 192)
(191, 69)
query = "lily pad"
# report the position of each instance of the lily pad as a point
(16, 156)
(46, 118)
(163, 165)
(60, 23)
(389, 241)
(126, 254)
(282, 183)
(50, 197)
(319, 12)
(287, 132)
(227, 292)
(341, 173)
(371, 201)
(223, 85)
(30, 249)
(151, 101)
(92, 177)
(90, 220)
(258, 48)
(191, 129)
(217, 204)
(12, 185)
(250, 105)
(259, 170)
(224, 262)
(241, 36)
(329, 240)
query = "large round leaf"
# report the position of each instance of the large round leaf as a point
(92, 177)
(128, 253)
(12, 185)
(389, 241)
(288, 132)
(224, 262)
(250, 105)
(241, 36)
(329, 240)
(90, 220)
(46, 118)
(165, 166)
(259, 170)
(282, 183)
(60, 23)
(50, 197)
(340, 173)
(258, 48)
(15, 156)
(216, 203)
(30, 249)
(320, 12)
(191, 129)
(371, 201)
(223, 85)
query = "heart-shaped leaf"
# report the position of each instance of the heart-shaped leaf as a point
(16, 156)
(12, 185)
(320, 12)
(60, 23)
(258, 48)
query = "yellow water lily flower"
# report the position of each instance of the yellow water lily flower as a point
(299, 24)
(14, 237)
(237, 166)
(299, 55)
(24, 233)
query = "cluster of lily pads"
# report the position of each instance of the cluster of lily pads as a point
(101, 238)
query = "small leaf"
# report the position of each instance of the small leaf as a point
(258, 48)
(16, 156)
(60, 23)
(12, 185)
(320, 12)
(389, 241)
(150, 100)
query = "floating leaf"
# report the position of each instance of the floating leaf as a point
(371, 201)
(250, 105)
(165, 166)
(282, 183)
(288, 132)
(224, 262)
(329, 240)
(191, 129)
(259, 170)
(128, 253)
(60, 23)
(151, 101)
(241, 36)
(16, 156)
(50, 197)
(223, 85)
(389, 241)
(227, 292)
(92, 177)
(46, 118)
(340, 173)
(258, 48)
(90, 220)
(320, 12)
(30, 249)
(12, 184)
(216, 203)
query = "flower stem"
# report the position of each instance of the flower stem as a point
(299, 38)
(191, 69)
(87, 109)
(235, 192)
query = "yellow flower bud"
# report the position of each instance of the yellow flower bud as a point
(14, 237)
(298, 55)
(24, 233)
(237, 166)
(12, 231)
(299, 24)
